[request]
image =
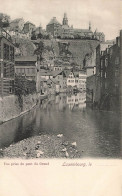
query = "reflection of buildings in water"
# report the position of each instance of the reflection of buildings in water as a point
(57, 99)
(62, 102)
(77, 100)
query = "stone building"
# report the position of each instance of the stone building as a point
(29, 28)
(110, 75)
(7, 63)
(92, 67)
(54, 27)
(99, 36)
(103, 88)
(64, 31)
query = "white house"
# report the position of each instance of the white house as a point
(82, 81)
(71, 79)
(77, 79)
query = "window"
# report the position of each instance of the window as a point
(116, 73)
(105, 74)
(117, 61)
(33, 71)
(11, 53)
(10, 90)
(5, 70)
(4, 51)
(0, 51)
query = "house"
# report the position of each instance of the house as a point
(26, 66)
(53, 86)
(104, 88)
(71, 79)
(53, 27)
(110, 75)
(60, 78)
(29, 28)
(7, 64)
(82, 81)
(46, 74)
(57, 68)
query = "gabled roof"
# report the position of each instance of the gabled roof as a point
(52, 80)
(53, 21)
(67, 72)
(45, 73)
(55, 73)
(76, 73)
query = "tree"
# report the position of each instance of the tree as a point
(4, 20)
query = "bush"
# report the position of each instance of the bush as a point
(24, 86)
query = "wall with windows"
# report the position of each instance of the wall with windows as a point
(6, 67)
(28, 71)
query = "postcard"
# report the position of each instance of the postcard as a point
(60, 98)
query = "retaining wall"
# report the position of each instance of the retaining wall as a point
(10, 106)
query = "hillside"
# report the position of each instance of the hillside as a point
(75, 50)
(24, 47)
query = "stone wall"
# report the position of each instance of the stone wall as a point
(91, 88)
(10, 106)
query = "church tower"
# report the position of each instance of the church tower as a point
(65, 20)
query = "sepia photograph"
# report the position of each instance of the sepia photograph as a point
(60, 84)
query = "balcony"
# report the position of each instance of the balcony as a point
(3, 33)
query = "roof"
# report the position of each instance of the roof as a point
(67, 72)
(43, 80)
(26, 58)
(52, 80)
(53, 21)
(55, 73)
(76, 73)
(45, 73)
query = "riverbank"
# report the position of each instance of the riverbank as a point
(10, 106)
(42, 146)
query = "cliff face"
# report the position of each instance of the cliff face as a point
(24, 47)
(75, 50)
(63, 50)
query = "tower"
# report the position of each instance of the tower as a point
(89, 26)
(65, 20)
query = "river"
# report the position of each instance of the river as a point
(97, 133)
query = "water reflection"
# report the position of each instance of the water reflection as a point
(97, 133)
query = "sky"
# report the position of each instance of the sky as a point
(105, 15)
